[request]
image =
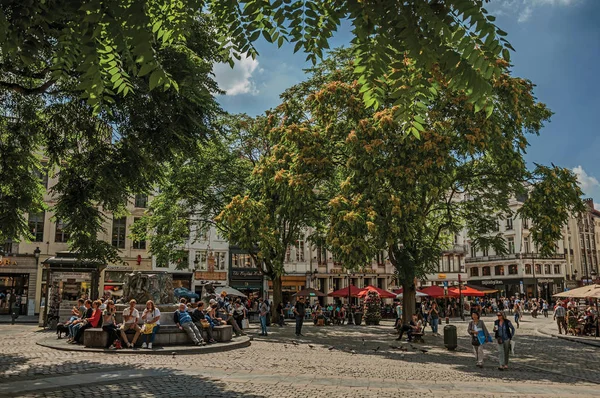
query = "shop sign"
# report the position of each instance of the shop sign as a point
(492, 282)
(6, 262)
(547, 280)
(441, 276)
(70, 275)
(245, 273)
(210, 276)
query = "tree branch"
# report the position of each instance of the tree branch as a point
(25, 90)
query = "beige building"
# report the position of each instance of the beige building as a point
(50, 239)
(581, 242)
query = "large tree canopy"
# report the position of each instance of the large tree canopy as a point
(410, 196)
(109, 43)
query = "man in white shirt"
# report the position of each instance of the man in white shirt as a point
(130, 321)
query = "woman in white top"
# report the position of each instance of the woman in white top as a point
(151, 315)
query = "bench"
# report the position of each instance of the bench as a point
(418, 337)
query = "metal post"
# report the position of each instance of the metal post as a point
(535, 287)
(350, 322)
(587, 276)
(462, 312)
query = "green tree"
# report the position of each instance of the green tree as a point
(102, 158)
(409, 196)
(284, 195)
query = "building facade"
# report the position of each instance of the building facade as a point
(581, 247)
(523, 271)
(27, 262)
(206, 260)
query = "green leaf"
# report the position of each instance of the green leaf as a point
(154, 78)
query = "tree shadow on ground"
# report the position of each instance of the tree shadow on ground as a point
(153, 382)
(527, 365)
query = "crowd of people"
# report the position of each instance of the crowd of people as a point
(189, 317)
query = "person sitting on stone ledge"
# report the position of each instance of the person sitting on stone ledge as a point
(203, 321)
(151, 317)
(130, 321)
(109, 325)
(228, 318)
(184, 321)
(74, 326)
(91, 322)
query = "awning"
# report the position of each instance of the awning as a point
(71, 261)
(591, 291)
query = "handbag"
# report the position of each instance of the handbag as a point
(475, 341)
(481, 337)
(148, 328)
(245, 323)
(205, 324)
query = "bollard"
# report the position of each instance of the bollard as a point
(450, 337)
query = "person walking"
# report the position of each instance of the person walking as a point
(545, 309)
(504, 332)
(281, 313)
(263, 313)
(476, 325)
(518, 312)
(434, 318)
(559, 317)
(299, 312)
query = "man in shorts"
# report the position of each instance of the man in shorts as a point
(130, 322)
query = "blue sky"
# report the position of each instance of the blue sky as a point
(557, 46)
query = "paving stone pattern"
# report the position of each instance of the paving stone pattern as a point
(361, 364)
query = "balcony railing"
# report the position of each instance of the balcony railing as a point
(515, 256)
(456, 249)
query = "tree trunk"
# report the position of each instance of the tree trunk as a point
(277, 298)
(408, 300)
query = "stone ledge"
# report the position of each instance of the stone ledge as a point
(62, 345)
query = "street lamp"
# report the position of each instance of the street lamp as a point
(349, 305)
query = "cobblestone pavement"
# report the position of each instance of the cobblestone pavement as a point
(361, 363)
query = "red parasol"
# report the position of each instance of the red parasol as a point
(467, 291)
(344, 292)
(382, 293)
(438, 291)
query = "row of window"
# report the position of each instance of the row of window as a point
(36, 228)
(61, 235)
(512, 269)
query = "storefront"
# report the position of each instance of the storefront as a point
(18, 274)
(290, 284)
(182, 279)
(546, 287)
(113, 278)
(202, 278)
(506, 287)
(244, 275)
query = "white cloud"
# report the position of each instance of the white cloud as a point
(524, 9)
(587, 182)
(525, 14)
(238, 80)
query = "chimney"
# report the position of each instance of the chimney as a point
(589, 202)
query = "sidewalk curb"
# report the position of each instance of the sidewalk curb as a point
(569, 338)
(240, 342)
